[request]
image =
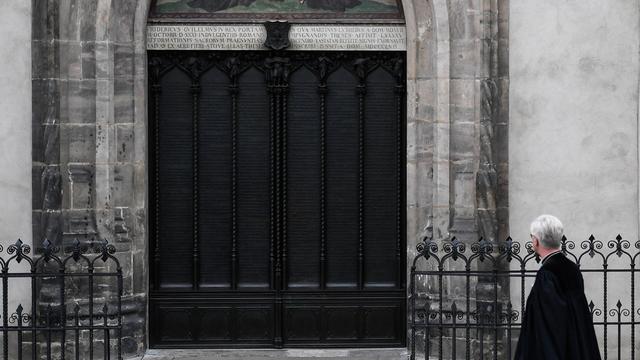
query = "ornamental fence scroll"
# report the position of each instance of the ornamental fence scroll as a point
(468, 304)
(45, 324)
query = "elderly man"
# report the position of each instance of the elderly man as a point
(557, 323)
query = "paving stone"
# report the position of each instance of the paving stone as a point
(297, 354)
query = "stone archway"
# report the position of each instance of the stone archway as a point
(90, 106)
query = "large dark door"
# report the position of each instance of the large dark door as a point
(277, 199)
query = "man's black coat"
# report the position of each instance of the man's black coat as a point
(557, 323)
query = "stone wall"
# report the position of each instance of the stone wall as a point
(88, 157)
(574, 71)
(458, 121)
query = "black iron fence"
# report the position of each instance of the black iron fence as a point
(69, 304)
(467, 303)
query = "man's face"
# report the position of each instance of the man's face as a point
(535, 243)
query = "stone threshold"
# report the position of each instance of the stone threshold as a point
(299, 354)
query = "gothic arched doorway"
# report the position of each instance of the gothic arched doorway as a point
(277, 192)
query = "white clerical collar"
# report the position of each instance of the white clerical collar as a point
(550, 255)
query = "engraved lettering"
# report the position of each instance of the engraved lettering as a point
(252, 37)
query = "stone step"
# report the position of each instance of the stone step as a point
(291, 354)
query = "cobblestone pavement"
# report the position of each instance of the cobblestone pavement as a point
(290, 354)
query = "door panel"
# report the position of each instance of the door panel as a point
(277, 199)
(342, 180)
(215, 199)
(303, 181)
(175, 169)
(253, 181)
(382, 200)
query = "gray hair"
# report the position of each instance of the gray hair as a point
(548, 229)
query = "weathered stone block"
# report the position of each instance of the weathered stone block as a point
(503, 17)
(78, 143)
(39, 25)
(46, 144)
(103, 185)
(424, 190)
(123, 185)
(488, 64)
(105, 223)
(463, 93)
(424, 20)
(121, 20)
(442, 132)
(140, 228)
(123, 60)
(501, 142)
(464, 228)
(103, 54)
(41, 65)
(70, 56)
(503, 101)
(36, 178)
(51, 187)
(69, 24)
(412, 98)
(464, 194)
(125, 143)
(459, 15)
(38, 104)
(463, 114)
(88, 60)
(123, 100)
(139, 271)
(464, 144)
(426, 89)
(426, 60)
(88, 12)
(124, 259)
(464, 58)
(80, 104)
(45, 101)
(487, 225)
(140, 185)
(81, 186)
(424, 141)
(50, 143)
(502, 217)
(134, 322)
(51, 227)
(123, 226)
(80, 224)
(503, 58)
(411, 141)
(463, 213)
(105, 143)
(36, 225)
(468, 165)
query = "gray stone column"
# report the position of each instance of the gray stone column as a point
(89, 139)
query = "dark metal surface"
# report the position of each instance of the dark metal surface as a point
(457, 320)
(54, 330)
(278, 199)
(277, 35)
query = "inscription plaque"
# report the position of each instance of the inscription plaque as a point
(252, 37)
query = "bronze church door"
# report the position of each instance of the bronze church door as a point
(277, 199)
